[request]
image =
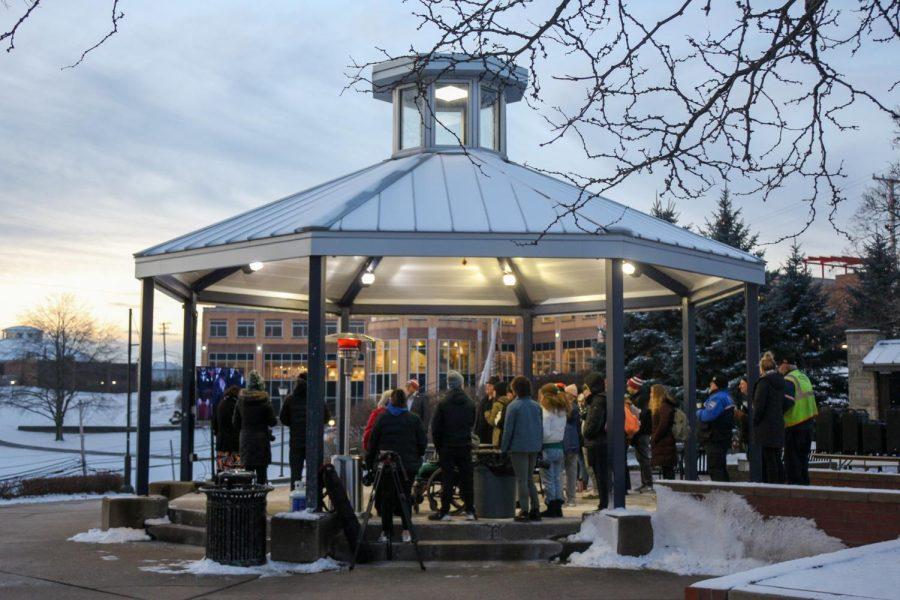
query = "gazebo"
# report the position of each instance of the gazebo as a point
(447, 225)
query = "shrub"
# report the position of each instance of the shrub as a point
(95, 483)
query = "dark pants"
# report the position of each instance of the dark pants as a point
(716, 463)
(456, 470)
(297, 459)
(641, 444)
(797, 444)
(668, 472)
(600, 465)
(772, 467)
(262, 474)
(389, 501)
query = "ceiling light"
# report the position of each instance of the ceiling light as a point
(368, 278)
(255, 266)
(509, 279)
(259, 348)
(628, 268)
(450, 93)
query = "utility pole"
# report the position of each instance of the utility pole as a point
(889, 183)
(165, 327)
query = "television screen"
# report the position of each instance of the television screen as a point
(211, 385)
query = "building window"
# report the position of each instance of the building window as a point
(418, 362)
(299, 329)
(274, 328)
(382, 366)
(456, 355)
(218, 328)
(237, 360)
(281, 369)
(543, 358)
(577, 356)
(246, 328)
(488, 120)
(506, 362)
(357, 327)
(451, 103)
(410, 119)
(331, 327)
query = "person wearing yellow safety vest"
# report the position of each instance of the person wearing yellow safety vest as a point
(799, 421)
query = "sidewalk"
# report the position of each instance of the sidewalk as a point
(36, 561)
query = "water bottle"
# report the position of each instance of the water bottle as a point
(298, 496)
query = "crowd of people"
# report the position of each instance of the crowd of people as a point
(561, 430)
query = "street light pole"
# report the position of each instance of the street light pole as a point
(126, 487)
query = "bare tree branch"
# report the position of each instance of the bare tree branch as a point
(116, 17)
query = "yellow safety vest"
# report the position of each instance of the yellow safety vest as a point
(804, 407)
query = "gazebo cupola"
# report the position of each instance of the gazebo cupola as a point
(448, 101)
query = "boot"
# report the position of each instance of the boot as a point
(550, 508)
(557, 509)
(535, 515)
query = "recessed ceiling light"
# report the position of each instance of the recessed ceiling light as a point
(450, 93)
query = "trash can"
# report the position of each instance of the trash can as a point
(349, 469)
(494, 485)
(236, 519)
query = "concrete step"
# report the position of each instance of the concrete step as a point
(505, 530)
(178, 534)
(462, 550)
(184, 516)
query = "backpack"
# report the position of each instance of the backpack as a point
(681, 429)
(632, 423)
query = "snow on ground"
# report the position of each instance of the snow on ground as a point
(58, 498)
(300, 515)
(271, 568)
(716, 535)
(113, 535)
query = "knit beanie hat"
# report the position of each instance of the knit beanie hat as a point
(635, 382)
(572, 389)
(254, 380)
(454, 380)
(594, 381)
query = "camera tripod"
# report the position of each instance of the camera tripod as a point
(388, 465)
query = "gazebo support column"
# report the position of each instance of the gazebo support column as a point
(615, 378)
(188, 353)
(689, 377)
(751, 307)
(315, 379)
(527, 343)
(145, 381)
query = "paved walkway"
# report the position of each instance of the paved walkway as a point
(36, 561)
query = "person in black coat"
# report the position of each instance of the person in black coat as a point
(401, 431)
(293, 416)
(769, 404)
(594, 431)
(253, 416)
(417, 402)
(227, 440)
(451, 430)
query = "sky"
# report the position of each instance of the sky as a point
(196, 111)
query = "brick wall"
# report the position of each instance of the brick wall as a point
(854, 479)
(855, 516)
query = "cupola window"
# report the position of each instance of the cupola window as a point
(489, 119)
(410, 119)
(451, 103)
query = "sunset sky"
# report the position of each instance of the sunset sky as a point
(197, 110)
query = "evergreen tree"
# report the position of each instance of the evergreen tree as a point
(875, 302)
(720, 326)
(797, 324)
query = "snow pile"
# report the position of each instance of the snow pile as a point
(58, 498)
(301, 515)
(271, 568)
(160, 521)
(113, 535)
(716, 535)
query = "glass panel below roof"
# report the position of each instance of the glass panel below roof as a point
(451, 103)
(488, 134)
(410, 120)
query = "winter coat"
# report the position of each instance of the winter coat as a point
(496, 419)
(483, 427)
(370, 425)
(401, 431)
(662, 441)
(594, 428)
(769, 404)
(554, 425)
(420, 406)
(454, 418)
(253, 416)
(646, 420)
(523, 429)
(716, 419)
(293, 415)
(572, 437)
(223, 426)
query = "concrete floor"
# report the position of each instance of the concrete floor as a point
(36, 561)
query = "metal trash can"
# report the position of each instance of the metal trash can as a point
(349, 469)
(494, 485)
(236, 519)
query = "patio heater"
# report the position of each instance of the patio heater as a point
(282, 393)
(349, 346)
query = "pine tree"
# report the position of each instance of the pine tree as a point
(797, 324)
(721, 333)
(875, 302)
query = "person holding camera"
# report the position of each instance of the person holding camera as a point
(397, 434)
(253, 416)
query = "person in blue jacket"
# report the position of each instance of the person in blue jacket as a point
(716, 424)
(522, 440)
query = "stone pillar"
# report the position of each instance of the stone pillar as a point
(863, 387)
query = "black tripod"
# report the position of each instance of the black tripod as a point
(388, 463)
